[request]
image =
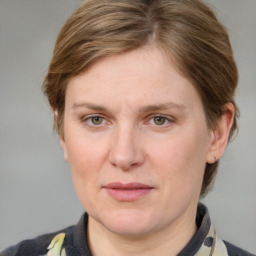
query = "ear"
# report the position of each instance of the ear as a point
(220, 134)
(64, 147)
(61, 137)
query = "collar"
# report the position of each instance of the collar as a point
(203, 243)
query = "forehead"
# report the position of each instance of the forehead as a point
(140, 76)
(138, 62)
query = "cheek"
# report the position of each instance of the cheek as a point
(180, 159)
(86, 158)
(82, 150)
(85, 161)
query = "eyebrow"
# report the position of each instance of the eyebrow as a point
(90, 106)
(149, 108)
(163, 106)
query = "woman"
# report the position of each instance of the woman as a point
(143, 99)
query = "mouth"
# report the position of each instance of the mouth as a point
(127, 192)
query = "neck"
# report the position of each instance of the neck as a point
(169, 241)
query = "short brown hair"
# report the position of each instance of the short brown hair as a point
(187, 30)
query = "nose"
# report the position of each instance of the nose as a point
(126, 151)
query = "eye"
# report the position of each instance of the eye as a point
(96, 120)
(159, 120)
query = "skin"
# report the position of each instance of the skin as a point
(111, 134)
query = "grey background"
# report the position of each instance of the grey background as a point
(36, 191)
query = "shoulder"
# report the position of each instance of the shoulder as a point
(236, 251)
(38, 246)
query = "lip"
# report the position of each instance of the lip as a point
(127, 192)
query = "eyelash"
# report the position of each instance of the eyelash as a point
(88, 120)
(167, 120)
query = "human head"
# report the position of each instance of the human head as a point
(187, 30)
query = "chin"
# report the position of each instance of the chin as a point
(131, 222)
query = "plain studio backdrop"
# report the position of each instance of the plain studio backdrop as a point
(36, 191)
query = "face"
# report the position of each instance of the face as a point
(137, 141)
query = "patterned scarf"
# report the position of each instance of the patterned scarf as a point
(212, 246)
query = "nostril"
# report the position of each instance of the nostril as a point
(127, 158)
(126, 150)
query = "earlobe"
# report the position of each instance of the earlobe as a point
(220, 134)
